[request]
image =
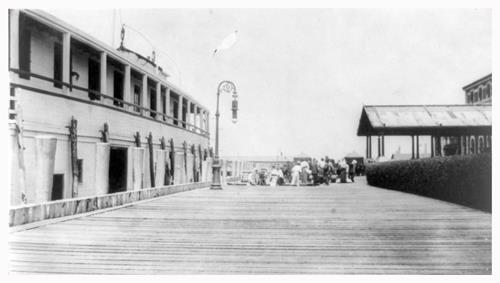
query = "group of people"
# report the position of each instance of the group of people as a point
(312, 172)
(262, 177)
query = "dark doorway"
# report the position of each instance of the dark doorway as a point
(117, 170)
(118, 89)
(58, 64)
(184, 112)
(164, 102)
(176, 113)
(94, 78)
(152, 101)
(57, 186)
(137, 97)
(24, 46)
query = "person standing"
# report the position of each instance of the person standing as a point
(251, 179)
(304, 172)
(327, 173)
(255, 176)
(262, 177)
(344, 168)
(281, 177)
(314, 172)
(321, 171)
(321, 164)
(352, 169)
(273, 180)
(296, 170)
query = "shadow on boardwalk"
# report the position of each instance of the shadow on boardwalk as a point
(339, 229)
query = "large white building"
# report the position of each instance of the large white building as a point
(81, 114)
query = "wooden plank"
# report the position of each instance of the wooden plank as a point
(339, 229)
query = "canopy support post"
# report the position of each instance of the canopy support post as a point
(412, 147)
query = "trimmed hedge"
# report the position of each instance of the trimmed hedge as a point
(464, 180)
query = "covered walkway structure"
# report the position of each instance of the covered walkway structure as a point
(467, 126)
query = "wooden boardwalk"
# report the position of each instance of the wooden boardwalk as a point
(340, 229)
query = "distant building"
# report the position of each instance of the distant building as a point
(479, 91)
(233, 165)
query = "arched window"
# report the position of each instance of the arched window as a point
(471, 146)
(480, 94)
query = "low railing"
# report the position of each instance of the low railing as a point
(122, 104)
(30, 213)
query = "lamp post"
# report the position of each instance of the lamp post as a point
(229, 87)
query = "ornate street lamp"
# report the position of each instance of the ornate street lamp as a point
(229, 87)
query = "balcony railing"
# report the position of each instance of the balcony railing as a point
(125, 105)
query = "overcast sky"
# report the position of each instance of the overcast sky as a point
(303, 75)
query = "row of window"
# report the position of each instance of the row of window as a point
(479, 94)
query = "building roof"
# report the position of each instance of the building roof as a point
(478, 81)
(424, 119)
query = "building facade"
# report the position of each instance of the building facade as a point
(87, 119)
(479, 91)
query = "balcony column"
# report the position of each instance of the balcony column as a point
(159, 105)
(103, 63)
(144, 94)
(126, 88)
(202, 120)
(192, 115)
(167, 103)
(195, 118)
(66, 48)
(188, 115)
(198, 118)
(208, 122)
(179, 111)
(14, 39)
